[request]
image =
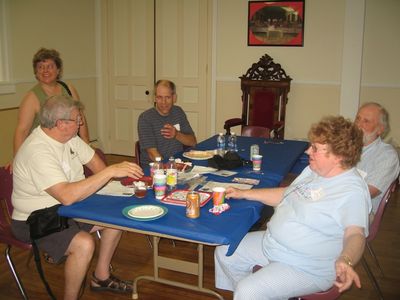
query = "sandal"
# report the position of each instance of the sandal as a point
(112, 284)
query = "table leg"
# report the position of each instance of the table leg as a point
(176, 265)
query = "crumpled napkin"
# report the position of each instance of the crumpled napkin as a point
(115, 188)
(219, 209)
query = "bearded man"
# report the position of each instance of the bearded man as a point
(379, 160)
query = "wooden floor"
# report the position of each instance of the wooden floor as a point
(134, 257)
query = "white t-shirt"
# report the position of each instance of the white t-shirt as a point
(307, 228)
(40, 163)
(380, 162)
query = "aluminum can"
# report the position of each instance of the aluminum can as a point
(193, 205)
(254, 150)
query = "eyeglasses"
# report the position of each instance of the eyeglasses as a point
(315, 149)
(78, 120)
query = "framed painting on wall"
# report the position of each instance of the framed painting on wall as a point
(276, 23)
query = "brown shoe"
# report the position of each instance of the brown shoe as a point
(112, 284)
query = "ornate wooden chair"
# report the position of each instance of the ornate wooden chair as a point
(265, 87)
(256, 131)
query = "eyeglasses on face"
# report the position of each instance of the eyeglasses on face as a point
(78, 120)
(315, 149)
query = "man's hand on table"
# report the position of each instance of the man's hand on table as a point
(125, 168)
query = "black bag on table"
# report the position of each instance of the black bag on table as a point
(43, 222)
(231, 160)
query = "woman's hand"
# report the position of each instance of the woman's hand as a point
(232, 192)
(345, 275)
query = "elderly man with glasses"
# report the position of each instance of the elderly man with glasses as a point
(164, 129)
(48, 171)
(379, 161)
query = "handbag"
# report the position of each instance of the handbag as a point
(231, 160)
(43, 222)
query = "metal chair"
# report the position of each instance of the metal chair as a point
(256, 131)
(373, 231)
(6, 236)
(331, 294)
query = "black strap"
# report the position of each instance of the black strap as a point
(65, 87)
(40, 270)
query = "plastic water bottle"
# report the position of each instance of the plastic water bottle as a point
(156, 167)
(221, 144)
(172, 174)
(232, 143)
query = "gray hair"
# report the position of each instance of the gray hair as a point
(57, 108)
(383, 116)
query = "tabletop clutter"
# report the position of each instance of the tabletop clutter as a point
(165, 177)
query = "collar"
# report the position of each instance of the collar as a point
(377, 141)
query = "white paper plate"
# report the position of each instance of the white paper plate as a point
(146, 211)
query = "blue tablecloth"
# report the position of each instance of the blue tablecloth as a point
(279, 157)
(227, 228)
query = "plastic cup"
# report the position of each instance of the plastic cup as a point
(218, 195)
(141, 191)
(159, 185)
(257, 160)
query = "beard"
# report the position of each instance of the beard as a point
(370, 137)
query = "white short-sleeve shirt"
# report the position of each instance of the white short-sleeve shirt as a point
(42, 162)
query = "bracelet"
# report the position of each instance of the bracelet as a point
(347, 260)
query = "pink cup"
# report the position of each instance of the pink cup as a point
(257, 159)
(218, 195)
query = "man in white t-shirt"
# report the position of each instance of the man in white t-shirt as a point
(379, 160)
(48, 171)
